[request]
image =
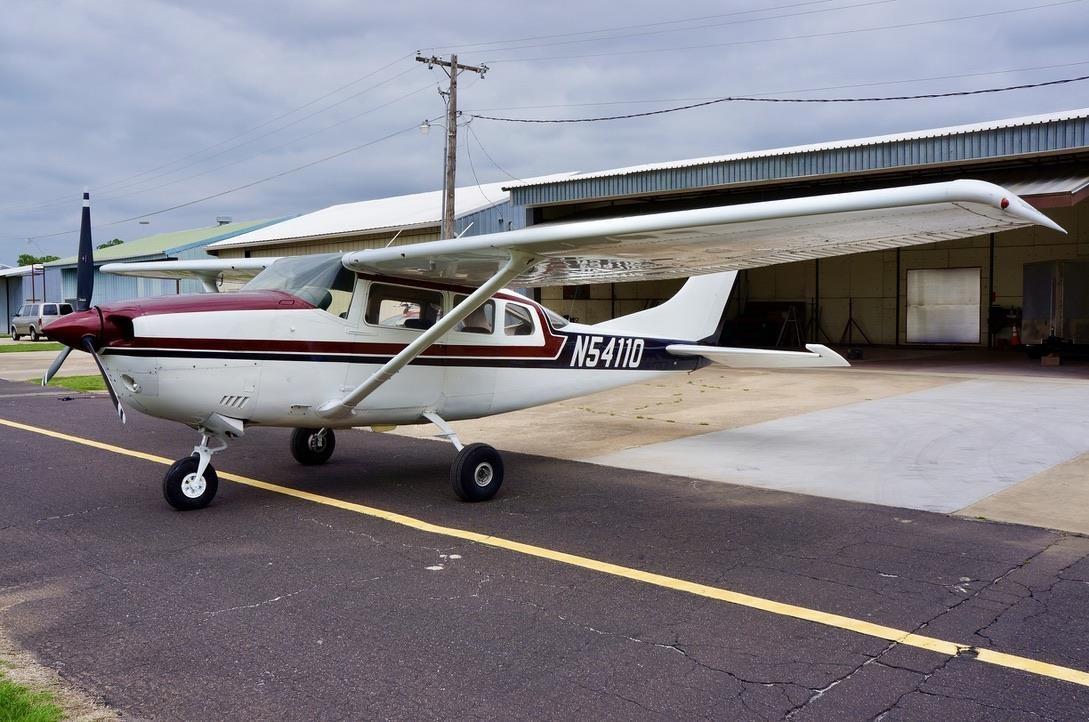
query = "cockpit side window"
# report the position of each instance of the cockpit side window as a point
(518, 321)
(482, 320)
(402, 306)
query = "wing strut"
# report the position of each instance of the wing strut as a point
(516, 263)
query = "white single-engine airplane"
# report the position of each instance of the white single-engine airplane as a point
(426, 334)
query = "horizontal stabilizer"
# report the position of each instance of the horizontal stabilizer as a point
(817, 356)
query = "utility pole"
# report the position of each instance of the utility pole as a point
(452, 68)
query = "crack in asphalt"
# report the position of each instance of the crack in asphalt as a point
(917, 629)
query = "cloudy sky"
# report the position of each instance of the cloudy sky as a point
(157, 104)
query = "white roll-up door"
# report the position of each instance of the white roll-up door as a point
(943, 305)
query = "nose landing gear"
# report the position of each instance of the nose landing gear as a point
(191, 483)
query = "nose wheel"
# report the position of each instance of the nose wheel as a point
(185, 489)
(191, 483)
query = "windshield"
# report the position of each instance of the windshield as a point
(321, 280)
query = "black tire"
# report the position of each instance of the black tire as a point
(308, 450)
(181, 497)
(477, 473)
(33, 334)
(14, 334)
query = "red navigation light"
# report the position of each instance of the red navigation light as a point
(1005, 203)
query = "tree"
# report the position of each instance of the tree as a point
(107, 244)
(26, 259)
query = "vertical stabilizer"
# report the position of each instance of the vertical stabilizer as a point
(692, 314)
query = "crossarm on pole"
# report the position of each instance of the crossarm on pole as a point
(516, 263)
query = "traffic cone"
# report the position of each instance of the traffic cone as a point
(1015, 337)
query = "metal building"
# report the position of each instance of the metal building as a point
(60, 276)
(941, 293)
(376, 223)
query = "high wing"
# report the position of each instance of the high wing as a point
(209, 272)
(710, 240)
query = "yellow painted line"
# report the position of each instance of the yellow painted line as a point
(1001, 659)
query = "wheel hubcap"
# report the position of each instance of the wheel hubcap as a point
(316, 443)
(193, 486)
(483, 474)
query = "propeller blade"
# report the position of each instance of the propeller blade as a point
(85, 267)
(89, 346)
(55, 366)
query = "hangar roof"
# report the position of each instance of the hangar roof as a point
(418, 210)
(997, 139)
(17, 271)
(165, 244)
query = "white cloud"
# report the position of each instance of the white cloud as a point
(95, 92)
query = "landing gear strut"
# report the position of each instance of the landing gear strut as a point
(191, 483)
(477, 471)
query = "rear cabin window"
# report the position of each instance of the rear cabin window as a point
(402, 306)
(518, 321)
(481, 321)
(50, 309)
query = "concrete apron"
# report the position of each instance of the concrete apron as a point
(998, 447)
(24, 365)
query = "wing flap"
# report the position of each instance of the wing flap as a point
(713, 240)
(817, 356)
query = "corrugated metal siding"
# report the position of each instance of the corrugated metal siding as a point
(487, 220)
(983, 145)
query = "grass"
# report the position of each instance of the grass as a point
(92, 382)
(13, 347)
(19, 704)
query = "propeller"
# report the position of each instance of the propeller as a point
(55, 366)
(85, 284)
(89, 346)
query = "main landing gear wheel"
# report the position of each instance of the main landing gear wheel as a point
(477, 473)
(184, 490)
(311, 447)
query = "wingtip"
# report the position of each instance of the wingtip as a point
(1023, 210)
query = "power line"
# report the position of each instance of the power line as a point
(870, 84)
(103, 186)
(228, 191)
(623, 27)
(469, 155)
(117, 191)
(703, 26)
(115, 196)
(809, 36)
(487, 154)
(755, 99)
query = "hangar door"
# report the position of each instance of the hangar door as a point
(943, 305)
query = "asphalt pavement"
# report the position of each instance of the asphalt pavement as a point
(268, 606)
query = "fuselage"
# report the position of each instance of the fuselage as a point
(270, 357)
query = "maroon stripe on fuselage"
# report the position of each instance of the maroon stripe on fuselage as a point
(207, 302)
(549, 350)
